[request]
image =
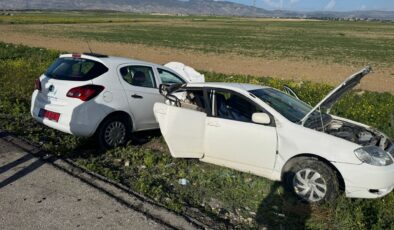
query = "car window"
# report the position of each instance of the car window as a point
(191, 99)
(75, 69)
(290, 107)
(141, 76)
(232, 106)
(169, 78)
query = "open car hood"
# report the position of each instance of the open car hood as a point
(328, 101)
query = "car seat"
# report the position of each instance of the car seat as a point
(138, 79)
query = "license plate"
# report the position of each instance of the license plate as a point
(49, 115)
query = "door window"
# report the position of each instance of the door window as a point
(169, 78)
(231, 106)
(192, 99)
(141, 76)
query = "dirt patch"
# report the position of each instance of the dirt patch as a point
(380, 80)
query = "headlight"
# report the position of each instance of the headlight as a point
(373, 155)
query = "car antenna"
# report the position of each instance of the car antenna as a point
(87, 42)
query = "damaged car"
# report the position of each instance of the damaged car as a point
(106, 97)
(269, 133)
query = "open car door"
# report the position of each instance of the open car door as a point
(183, 130)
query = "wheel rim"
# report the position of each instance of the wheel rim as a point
(309, 185)
(115, 133)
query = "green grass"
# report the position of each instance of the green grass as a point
(227, 196)
(71, 17)
(358, 43)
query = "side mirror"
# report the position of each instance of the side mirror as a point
(163, 89)
(261, 118)
(166, 89)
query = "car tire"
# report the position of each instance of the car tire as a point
(311, 180)
(113, 131)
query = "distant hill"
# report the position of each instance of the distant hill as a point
(200, 7)
(196, 7)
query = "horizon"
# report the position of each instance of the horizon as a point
(297, 6)
(319, 5)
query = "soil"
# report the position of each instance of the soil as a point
(381, 80)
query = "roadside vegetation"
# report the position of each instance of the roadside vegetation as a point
(356, 43)
(230, 198)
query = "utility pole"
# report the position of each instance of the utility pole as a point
(254, 3)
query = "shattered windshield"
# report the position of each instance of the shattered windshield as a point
(290, 107)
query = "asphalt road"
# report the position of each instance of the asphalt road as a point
(50, 194)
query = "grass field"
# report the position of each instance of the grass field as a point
(329, 41)
(230, 198)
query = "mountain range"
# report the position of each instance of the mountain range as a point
(194, 7)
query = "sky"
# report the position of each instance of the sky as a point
(321, 5)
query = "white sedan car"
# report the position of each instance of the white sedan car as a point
(110, 97)
(266, 132)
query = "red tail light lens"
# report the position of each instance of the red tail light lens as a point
(86, 92)
(37, 84)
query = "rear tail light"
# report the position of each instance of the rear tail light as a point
(86, 92)
(37, 84)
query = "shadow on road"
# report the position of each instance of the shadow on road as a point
(20, 167)
(19, 174)
(15, 163)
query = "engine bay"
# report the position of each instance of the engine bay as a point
(356, 134)
(353, 133)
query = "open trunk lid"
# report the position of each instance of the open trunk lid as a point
(329, 101)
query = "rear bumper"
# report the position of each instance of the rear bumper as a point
(367, 181)
(80, 119)
(82, 130)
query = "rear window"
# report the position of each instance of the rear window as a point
(75, 69)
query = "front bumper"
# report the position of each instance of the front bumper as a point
(366, 181)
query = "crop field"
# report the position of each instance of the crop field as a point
(217, 196)
(318, 51)
(343, 42)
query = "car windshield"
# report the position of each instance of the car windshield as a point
(290, 107)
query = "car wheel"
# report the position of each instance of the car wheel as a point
(114, 131)
(312, 180)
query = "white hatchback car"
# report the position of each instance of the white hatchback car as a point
(87, 94)
(268, 133)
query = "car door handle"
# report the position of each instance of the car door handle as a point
(213, 123)
(137, 96)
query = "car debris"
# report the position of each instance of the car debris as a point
(183, 181)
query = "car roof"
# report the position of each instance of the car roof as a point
(113, 60)
(110, 60)
(227, 85)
